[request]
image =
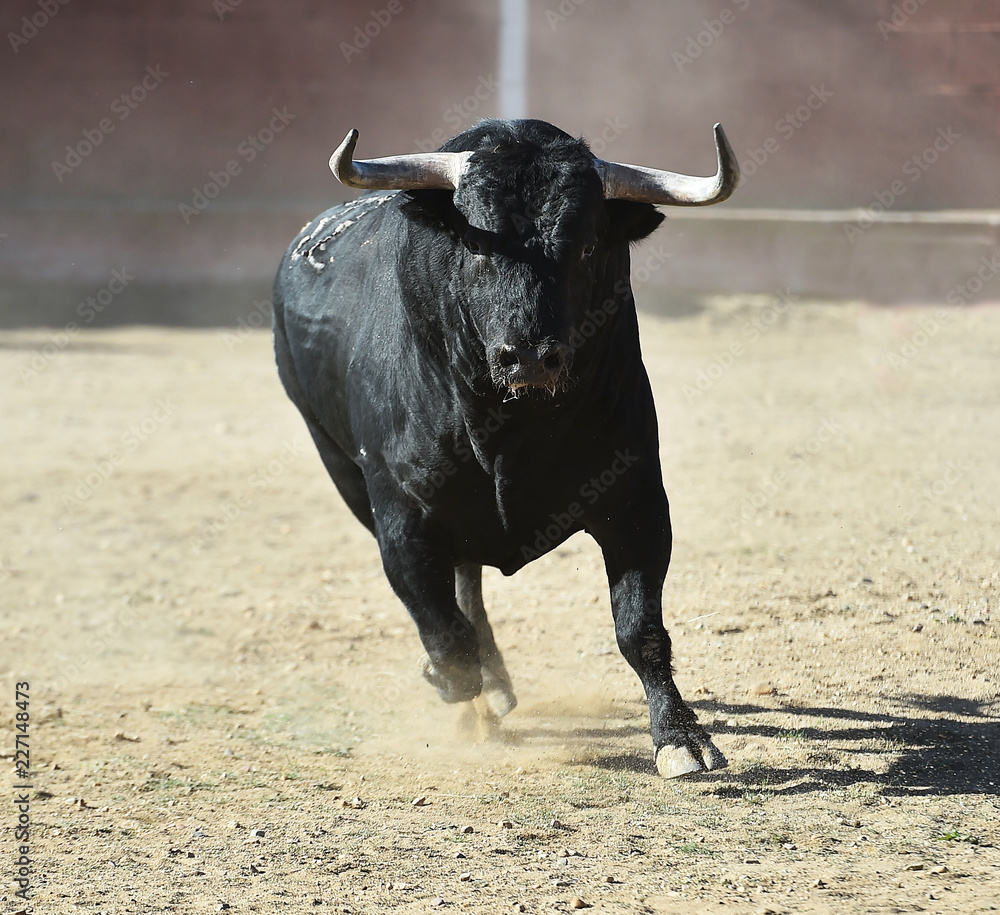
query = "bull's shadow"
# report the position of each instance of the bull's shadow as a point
(932, 756)
(959, 754)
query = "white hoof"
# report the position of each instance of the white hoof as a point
(499, 701)
(673, 762)
(713, 758)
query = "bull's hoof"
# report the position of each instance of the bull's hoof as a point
(500, 701)
(498, 694)
(454, 684)
(675, 761)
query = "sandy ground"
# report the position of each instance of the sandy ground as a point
(225, 707)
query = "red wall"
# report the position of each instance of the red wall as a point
(627, 70)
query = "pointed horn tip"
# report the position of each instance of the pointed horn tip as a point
(720, 136)
(725, 151)
(341, 162)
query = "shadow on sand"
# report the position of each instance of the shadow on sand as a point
(957, 752)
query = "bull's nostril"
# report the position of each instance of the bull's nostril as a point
(508, 358)
(553, 362)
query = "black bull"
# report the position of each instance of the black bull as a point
(463, 345)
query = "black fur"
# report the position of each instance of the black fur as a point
(394, 353)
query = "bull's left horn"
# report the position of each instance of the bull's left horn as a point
(650, 185)
(439, 170)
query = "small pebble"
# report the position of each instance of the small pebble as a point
(459, 854)
(468, 831)
(919, 627)
(420, 801)
(764, 689)
(819, 881)
(436, 901)
(505, 824)
(940, 869)
(577, 903)
(913, 867)
(465, 878)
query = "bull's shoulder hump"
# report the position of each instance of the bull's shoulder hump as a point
(312, 244)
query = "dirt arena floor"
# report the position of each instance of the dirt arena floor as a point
(225, 707)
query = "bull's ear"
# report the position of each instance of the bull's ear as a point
(631, 221)
(434, 209)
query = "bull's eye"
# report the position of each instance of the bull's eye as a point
(473, 246)
(588, 250)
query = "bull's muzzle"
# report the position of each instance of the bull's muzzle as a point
(519, 368)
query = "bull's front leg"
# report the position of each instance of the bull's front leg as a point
(636, 554)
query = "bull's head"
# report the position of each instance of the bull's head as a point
(544, 228)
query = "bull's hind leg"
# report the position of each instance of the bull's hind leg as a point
(346, 475)
(497, 689)
(422, 574)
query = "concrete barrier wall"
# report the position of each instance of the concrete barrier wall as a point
(185, 141)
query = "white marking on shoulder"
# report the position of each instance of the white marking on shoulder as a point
(316, 241)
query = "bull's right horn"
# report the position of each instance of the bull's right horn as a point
(435, 170)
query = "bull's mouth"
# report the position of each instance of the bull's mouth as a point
(527, 371)
(514, 388)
